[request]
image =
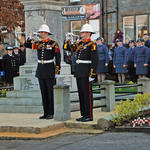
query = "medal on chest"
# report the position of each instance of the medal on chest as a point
(48, 47)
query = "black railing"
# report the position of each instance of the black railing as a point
(128, 85)
(99, 98)
(7, 87)
(126, 93)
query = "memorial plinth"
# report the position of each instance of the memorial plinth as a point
(26, 97)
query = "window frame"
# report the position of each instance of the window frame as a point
(135, 24)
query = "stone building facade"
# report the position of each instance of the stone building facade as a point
(131, 16)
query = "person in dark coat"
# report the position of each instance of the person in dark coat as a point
(147, 43)
(118, 35)
(120, 61)
(2, 53)
(86, 65)
(102, 67)
(17, 61)
(48, 68)
(141, 58)
(9, 63)
(130, 62)
(22, 52)
(74, 47)
(111, 71)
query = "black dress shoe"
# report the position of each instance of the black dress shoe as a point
(79, 119)
(42, 117)
(86, 119)
(49, 117)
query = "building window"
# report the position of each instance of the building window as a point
(128, 28)
(76, 27)
(141, 26)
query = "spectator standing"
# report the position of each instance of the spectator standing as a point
(120, 61)
(141, 59)
(118, 35)
(102, 67)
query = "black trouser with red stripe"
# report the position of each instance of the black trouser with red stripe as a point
(46, 86)
(85, 96)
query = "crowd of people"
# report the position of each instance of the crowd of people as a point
(11, 58)
(119, 61)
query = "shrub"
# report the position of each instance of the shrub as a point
(3, 92)
(126, 110)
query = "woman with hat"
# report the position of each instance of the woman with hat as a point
(102, 68)
(120, 61)
(141, 59)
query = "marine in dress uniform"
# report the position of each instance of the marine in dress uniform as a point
(86, 65)
(47, 50)
(120, 61)
(9, 63)
(141, 58)
(130, 61)
(102, 68)
(67, 47)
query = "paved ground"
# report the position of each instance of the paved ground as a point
(29, 126)
(32, 120)
(106, 141)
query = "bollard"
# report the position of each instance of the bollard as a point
(145, 85)
(61, 102)
(109, 93)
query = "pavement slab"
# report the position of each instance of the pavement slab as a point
(28, 126)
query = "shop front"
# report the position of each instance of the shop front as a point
(77, 15)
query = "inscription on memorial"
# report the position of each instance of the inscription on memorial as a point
(28, 71)
(30, 84)
(65, 80)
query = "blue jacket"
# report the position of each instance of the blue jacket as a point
(103, 53)
(141, 55)
(120, 56)
(130, 54)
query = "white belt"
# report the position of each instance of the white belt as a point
(45, 61)
(83, 61)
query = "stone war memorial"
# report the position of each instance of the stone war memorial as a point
(26, 97)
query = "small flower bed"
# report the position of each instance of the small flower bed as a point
(140, 122)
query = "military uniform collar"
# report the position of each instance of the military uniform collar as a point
(44, 41)
(120, 46)
(87, 40)
(10, 54)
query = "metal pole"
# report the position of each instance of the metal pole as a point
(117, 8)
(103, 30)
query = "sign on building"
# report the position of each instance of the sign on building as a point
(79, 12)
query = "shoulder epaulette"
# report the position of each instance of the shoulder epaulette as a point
(54, 44)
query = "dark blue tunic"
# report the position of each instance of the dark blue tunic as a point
(140, 58)
(103, 58)
(130, 55)
(120, 59)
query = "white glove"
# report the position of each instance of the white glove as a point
(91, 79)
(56, 75)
